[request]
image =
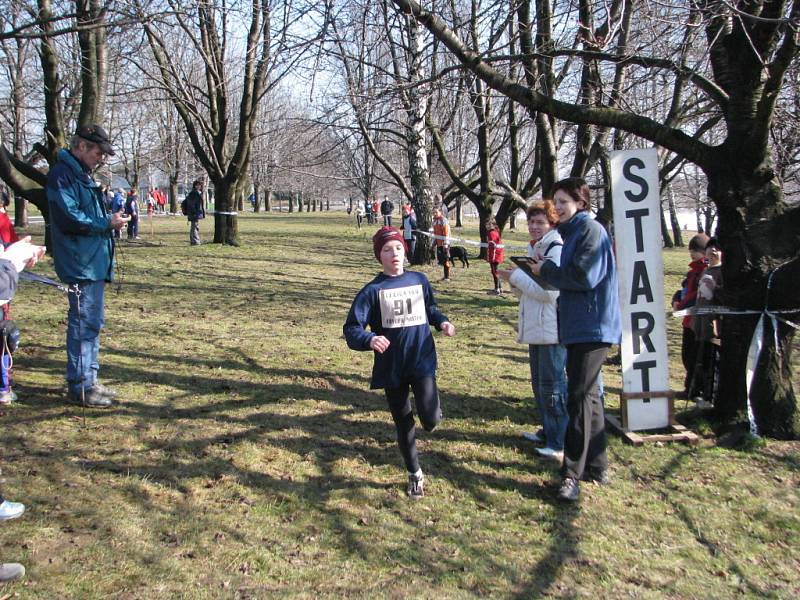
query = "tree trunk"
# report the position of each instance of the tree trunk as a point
(677, 236)
(754, 247)
(697, 216)
(459, 211)
(173, 194)
(665, 237)
(226, 225)
(20, 211)
(417, 145)
(708, 217)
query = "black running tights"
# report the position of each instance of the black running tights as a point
(426, 398)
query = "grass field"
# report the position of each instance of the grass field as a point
(248, 459)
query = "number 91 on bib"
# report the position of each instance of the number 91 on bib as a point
(402, 307)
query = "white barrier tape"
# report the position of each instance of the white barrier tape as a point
(220, 212)
(756, 342)
(724, 310)
(468, 242)
(753, 353)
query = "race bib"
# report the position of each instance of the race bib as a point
(403, 307)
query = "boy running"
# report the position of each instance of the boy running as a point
(399, 309)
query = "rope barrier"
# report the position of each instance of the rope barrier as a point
(757, 341)
(47, 281)
(449, 239)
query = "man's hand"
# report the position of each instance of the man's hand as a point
(448, 329)
(118, 220)
(23, 254)
(379, 343)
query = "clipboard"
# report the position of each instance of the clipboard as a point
(523, 262)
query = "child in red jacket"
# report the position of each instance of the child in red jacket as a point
(686, 298)
(494, 252)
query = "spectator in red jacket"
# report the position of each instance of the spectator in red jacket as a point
(7, 233)
(686, 298)
(494, 252)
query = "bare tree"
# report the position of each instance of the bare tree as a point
(73, 92)
(201, 83)
(16, 54)
(750, 46)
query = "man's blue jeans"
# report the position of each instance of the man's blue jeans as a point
(83, 334)
(549, 382)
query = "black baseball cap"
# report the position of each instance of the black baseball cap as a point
(95, 133)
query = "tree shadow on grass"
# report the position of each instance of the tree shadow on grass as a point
(338, 431)
(676, 499)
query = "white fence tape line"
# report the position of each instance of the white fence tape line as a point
(756, 343)
(468, 242)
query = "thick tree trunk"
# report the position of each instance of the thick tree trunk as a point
(708, 217)
(417, 144)
(173, 194)
(226, 225)
(20, 212)
(759, 237)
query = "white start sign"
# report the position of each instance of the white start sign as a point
(639, 247)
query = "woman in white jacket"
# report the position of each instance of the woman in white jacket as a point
(538, 327)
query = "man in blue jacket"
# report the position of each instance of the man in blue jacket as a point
(83, 253)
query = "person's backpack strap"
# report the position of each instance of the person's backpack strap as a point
(552, 245)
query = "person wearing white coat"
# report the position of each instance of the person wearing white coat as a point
(538, 327)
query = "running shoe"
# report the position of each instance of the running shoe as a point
(11, 510)
(415, 489)
(536, 438)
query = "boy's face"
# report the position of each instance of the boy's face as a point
(697, 254)
(392, 255)
(713, 255)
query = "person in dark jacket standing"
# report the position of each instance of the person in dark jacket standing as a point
(588, 323)
(83, 255)
(132, 210)
(387, 206)
(117, 205)
(195, 211)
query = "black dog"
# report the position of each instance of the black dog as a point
(460, 253)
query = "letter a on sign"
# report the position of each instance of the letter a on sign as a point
(637, 235)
